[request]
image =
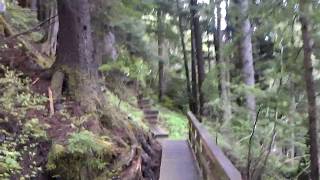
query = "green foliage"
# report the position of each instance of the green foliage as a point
(17, 147)
(131, 66)
(15, 98)
(176, 123)
(135, 114)
(176, 94)
(35, 128)
(23, 19)
(84, 150)
(85, 141)
(15, 92)
(9, 162)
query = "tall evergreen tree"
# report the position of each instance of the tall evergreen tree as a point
(160, 32)
(197, 32)
(312, 141)
(246, 56)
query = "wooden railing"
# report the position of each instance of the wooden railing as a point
(213, 164)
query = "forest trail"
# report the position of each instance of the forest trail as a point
(178, 162)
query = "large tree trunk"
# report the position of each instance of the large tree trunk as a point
(310, 88)
(199, 53)
(160, 54)
(185, 58)
(75, 62)
(247, 57)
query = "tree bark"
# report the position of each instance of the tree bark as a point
(75, 55)
(310, 88)
(185, 58)
(199, 53)
(160, 54)
(223, 71)
(194, 75)
(49, 45)
(247, 57)
(42, 9)
(217, 31)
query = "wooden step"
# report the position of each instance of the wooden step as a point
(145, 106)
(144, 101)
(151, 116)
(158, 132)
(153, 121)
(150, 112)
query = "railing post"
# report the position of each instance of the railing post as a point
(213, 164)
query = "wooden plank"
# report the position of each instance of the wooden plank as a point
(223, 168)
(158, 132)
(177, 161)
(150, 112)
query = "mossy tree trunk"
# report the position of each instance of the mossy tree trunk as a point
(75, 62)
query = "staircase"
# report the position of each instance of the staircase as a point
(152, 117)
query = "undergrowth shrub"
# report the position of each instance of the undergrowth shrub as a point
(19, 136)
(85, 155)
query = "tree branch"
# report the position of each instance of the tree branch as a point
(250, 142)
(35, 28)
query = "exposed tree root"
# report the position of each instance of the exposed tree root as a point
(133, 172)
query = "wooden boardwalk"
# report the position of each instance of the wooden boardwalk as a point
(180, 158)
(178, 162)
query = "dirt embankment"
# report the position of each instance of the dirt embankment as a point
(134, 153)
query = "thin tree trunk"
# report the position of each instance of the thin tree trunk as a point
(223, 71)
(49, 45)
(160, 54)
(310, 88)
(209, 54)
(75, 56)
(194, 74)
(217, 31)
(185, 58)
(247, 58)
(293, 109)
(42, 9)
(199, 53)
(33, 5)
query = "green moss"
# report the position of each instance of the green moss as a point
(85, 153)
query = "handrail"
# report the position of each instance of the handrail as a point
(213, 164)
